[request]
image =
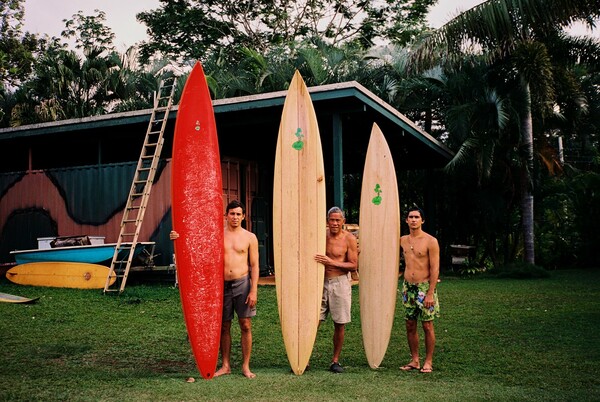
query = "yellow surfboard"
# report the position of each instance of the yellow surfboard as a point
(76, 275)
(379, 257)
(299, 224)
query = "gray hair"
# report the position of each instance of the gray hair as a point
(335, 210)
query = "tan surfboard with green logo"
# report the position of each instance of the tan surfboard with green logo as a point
(299, 224)
(379, 258)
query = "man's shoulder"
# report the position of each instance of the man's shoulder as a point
(349, 236)
(431, 239)
(249, 234)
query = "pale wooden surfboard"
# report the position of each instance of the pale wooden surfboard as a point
(379, 258)
(299, 224)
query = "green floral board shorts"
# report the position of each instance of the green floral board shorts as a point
(413, 296)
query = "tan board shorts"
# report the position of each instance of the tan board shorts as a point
(337, 299)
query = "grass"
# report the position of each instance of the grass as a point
(497, 339)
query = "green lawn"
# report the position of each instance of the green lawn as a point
(497, 339)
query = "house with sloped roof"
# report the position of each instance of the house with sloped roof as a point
(73, 177)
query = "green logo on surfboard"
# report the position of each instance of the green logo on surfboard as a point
(298, 145)
(377, 200)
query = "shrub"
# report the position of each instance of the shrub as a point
(520, 270)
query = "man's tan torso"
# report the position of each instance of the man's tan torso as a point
(416, 257)
(337, 249)
(236, 245)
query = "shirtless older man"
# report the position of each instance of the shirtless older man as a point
(422, 257)
(341, 258)
(241, 273)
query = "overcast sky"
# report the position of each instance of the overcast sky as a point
(46, 16)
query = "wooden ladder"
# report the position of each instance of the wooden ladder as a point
(139, 194)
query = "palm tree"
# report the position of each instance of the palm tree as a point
(255, 72)
(513, 33)
(71, 85)
(133, 84)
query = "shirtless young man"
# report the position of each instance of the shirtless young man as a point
(419, 296)
(241, 285)
(341, 258)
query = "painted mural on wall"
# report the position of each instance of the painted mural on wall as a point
(90, 200)
(77, 201)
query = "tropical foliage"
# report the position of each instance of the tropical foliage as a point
(516, 39)
(16, 48)
(16, 51)
(92, 80)
(195, 29)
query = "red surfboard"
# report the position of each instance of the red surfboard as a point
(197, 211)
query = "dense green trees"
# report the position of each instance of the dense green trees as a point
(16, 48)
(515, 38)
(94, 79)
(16, 52)
(195, 29)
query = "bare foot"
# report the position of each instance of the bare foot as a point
(248, 374)
(223, 371)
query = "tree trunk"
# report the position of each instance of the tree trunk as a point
(526, 178)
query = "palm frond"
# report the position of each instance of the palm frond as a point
(497, 26)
